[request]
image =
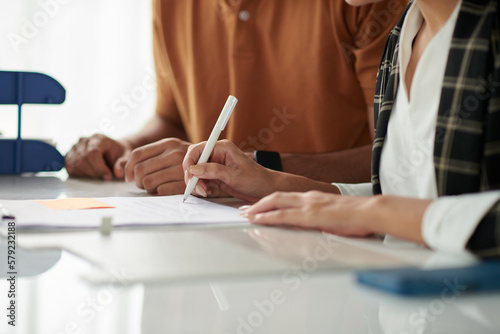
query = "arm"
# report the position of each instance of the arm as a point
(352, 165)
(450, 223)
(365, 50)
(156, 128)
(343, 215)
(347, 166)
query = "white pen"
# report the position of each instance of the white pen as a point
(214, 136)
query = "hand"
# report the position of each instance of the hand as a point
(229, 171)
(341, 215)
(97, 157)
(157, 167)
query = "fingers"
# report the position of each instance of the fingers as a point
(220, 181)
(74, 161)
(275, 201)
(157, 167)
(171, 188)
(172, 150)
(119, 166)
(328, 212)
(193, 154)
(95, 151)
(226, 164)
(162, 177)
(201, 188)
(178, 187)
(278, 209)
(291, 216)
(86, 158)
(161, 169)
(224, 153)
(212, 171)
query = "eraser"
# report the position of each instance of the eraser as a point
(106, 225)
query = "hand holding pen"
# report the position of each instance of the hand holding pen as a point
(214, 136)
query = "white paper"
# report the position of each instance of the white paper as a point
(128, 211)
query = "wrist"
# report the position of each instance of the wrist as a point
(281, 181)
(373, 215)
(250, 155)
(290, 182)
(398, 216)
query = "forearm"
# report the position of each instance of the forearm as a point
(290, 182)
(155, 129)
(347, 166)
(397, 216)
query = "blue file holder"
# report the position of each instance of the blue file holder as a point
(29, 156)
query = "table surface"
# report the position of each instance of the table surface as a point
(232, 279)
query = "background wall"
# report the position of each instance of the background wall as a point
(100, 51)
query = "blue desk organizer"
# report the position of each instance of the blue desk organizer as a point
(28, 156)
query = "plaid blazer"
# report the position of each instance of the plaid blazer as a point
(467, 137)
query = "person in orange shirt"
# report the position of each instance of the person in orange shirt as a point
(304, 74)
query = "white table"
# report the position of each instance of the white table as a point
(239, 279)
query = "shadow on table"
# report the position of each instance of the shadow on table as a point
(28, 262)
(30, 186)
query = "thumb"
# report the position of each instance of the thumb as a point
(119, 167)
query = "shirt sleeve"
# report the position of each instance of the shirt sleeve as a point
(449, 222)
(373, 25)
(165, 102)
(355, 189)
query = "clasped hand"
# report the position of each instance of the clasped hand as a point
(156, 167)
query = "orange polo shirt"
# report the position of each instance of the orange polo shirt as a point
(303, 71)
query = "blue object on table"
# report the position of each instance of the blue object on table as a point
(19, 155)
(480, 277)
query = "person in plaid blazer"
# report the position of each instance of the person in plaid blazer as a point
(467, 142)
(461, 208)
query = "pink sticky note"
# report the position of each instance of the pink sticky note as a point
(75, 203)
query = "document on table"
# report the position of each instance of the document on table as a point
(126, 211)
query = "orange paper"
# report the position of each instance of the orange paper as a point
(75, 203)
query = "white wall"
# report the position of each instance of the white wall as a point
(99, 50)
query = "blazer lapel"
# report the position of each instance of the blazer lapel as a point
(386, 89)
